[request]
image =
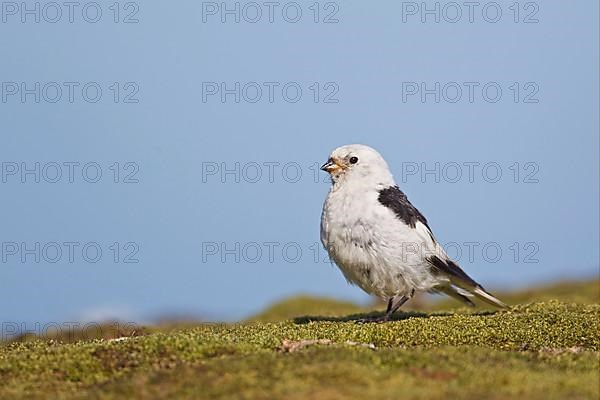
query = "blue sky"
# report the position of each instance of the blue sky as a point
(491, 128)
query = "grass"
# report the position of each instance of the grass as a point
(541, 350)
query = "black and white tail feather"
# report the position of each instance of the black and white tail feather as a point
(462, 285)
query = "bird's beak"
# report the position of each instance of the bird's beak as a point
(332, 165)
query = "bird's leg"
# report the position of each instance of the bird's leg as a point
(394, 303)
(397, 302)
(383, 318)
(390, 303)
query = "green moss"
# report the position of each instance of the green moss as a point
(300, 305)
(336, 373)
(542, 350)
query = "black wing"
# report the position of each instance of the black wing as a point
(394, 199)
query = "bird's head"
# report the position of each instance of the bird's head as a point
(358, 163)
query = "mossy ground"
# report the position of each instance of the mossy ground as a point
(542, 350)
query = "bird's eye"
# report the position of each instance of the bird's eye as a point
(353, 160)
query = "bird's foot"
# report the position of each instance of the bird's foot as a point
(369, 320)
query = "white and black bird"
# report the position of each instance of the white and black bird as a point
(379, 240)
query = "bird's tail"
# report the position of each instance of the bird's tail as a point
(463, 294)
(488, 298)
(457, 293)
(463, 284)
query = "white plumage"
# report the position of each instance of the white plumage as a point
(379, 240)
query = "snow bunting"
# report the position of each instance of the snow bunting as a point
(379, 240)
